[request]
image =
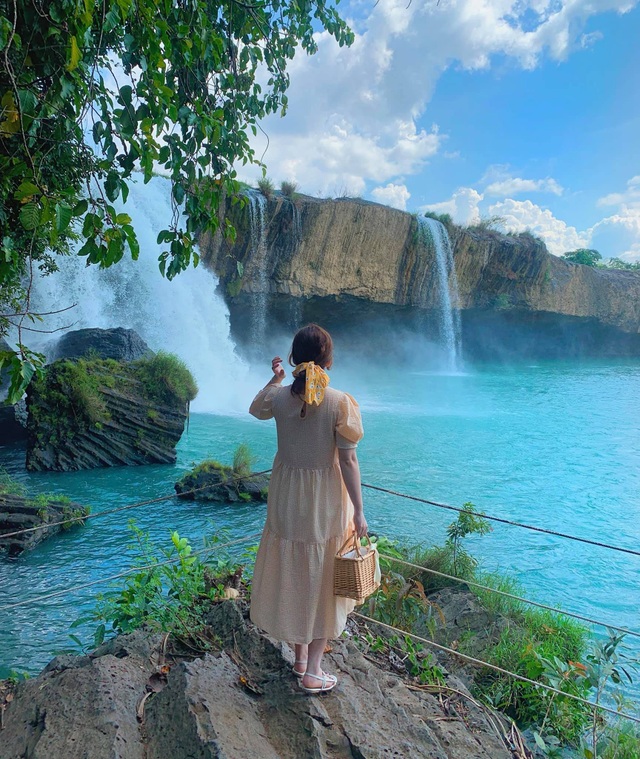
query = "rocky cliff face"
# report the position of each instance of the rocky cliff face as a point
(346, 260)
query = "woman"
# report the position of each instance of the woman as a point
(314, 505)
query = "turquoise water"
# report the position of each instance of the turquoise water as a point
(555, 445)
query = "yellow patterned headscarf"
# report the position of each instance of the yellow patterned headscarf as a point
(317, 380)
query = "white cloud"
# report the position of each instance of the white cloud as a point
(619, 234)
(515, 186)
(353, 113)
(394, 195)
(463, 206)
(630, 197)
(557, 234)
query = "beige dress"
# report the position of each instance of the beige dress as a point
(309, 516)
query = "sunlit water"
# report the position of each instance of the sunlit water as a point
(555, 445)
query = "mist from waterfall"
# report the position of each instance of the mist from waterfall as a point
(434, 232)
(184, 316)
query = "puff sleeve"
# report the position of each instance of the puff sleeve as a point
(262, 405)
(349, 430)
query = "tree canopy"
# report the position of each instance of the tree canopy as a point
(585, 256)
(92, 91)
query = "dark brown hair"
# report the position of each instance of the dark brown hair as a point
(311, 343)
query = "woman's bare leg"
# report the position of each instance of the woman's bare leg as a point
(302, 655)
(316, 650)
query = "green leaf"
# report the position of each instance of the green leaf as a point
(178, 193)
(26, 190)
(30, 216)
(63, 217)
(80, 207)
(112, 186)
(74, 54)
(540, 742)
(98, 636)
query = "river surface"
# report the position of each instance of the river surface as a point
(550, 444)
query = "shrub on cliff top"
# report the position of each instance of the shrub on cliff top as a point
(289, 188)
(166, 378)
(266, 187)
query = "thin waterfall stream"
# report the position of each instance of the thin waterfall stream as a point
(258, 228)
(434, 235)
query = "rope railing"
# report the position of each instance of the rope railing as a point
(132, 570)
(496, 668)
(510, 522)
(501, 520)
(474, 584)
(70, 520)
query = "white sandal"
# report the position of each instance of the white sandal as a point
(328, 682)
(295, 671)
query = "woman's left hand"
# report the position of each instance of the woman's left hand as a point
(360, 524)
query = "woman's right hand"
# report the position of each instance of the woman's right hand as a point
(276, 367)
(360, 524)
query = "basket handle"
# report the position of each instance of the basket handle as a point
(356, 543)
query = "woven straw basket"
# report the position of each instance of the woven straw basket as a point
(354, 573)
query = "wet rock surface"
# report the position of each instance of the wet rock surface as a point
(242, 701)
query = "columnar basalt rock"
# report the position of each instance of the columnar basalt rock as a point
(96, 413)
(42, 517)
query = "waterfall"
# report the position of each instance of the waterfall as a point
(184, 316)
(436, 233)
(258, 229)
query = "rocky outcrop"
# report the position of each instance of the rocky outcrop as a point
(118, 343)
(86, 414)
(19, 513)
(212, 481)
(241, 701)
(346, 261)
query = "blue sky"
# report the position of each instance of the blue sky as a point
(526, 109)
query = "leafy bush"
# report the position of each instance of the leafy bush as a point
(443, 218)
(494, 223)
(266, 187)
(9, 485)
(584, 256)
(243, 461)
(166, 379)
(289, 189)
(618, 263)
(171, 598)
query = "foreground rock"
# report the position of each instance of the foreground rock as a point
(240, 702)
(95, 413)
(118, 343)
(344, 262)
(20, 513)
(212, 481)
